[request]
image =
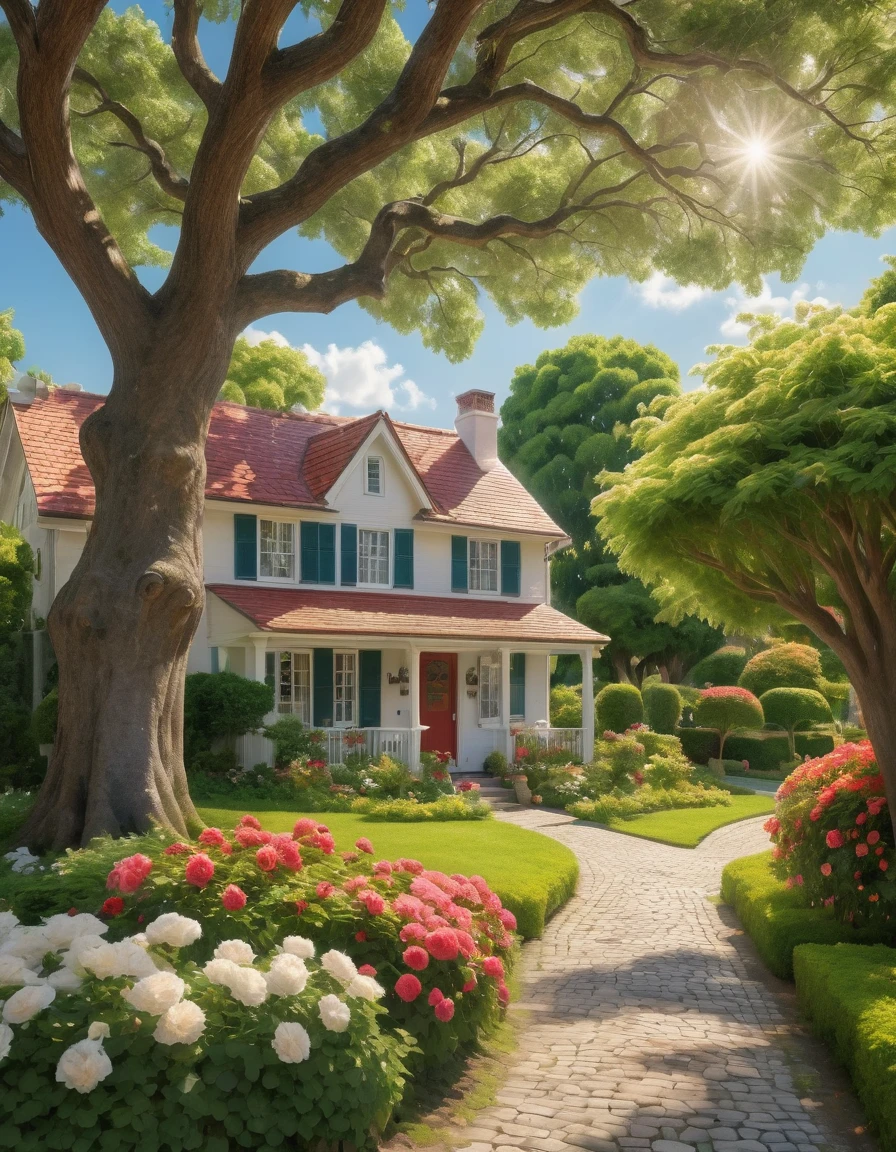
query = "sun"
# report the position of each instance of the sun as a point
(757, 151)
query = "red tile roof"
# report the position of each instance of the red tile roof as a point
(286, 459)
(312, 612)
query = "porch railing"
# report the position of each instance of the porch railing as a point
(254, 748)
(570, 740)
(395, 742)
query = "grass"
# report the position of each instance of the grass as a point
(775, 917)
(686, 827)
(849, 994)
(532, 874)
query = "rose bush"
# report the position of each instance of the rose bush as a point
(833, 835)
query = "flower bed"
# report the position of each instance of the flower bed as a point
(424, 952)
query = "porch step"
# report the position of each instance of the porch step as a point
(491, 792)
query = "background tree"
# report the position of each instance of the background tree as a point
(272, 375)
(727, 710)
(567, 419)
(793, 708)
(723, 666)
(12, 347)
(773, 494)
(515, 149)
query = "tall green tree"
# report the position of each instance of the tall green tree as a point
(515, 149)
(567, 419)
(772, 495)
(272, 375)
(12, 347)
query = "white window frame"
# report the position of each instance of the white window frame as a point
(368, 491)
(291, 524)
(389, 550)
(475, 540)
(305, 716)
(489, 695)
(352, 722)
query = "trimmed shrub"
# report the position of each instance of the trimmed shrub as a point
(777, 918)
(784, 666)
(566, 707)
(292, 740)
(618, 707)
(849, 994)
(719, 668)
(727, 709)
(495, 764)
(662, 707)
(792, 708)
(413, 812)
(815, 744)
(222, 704)
(700, 745)
(45, 718)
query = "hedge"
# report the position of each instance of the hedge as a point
(618, 706)
(775, 917)
(699, 744)
(763, 753)
(662, 707)
(721, 667)
(849, 994)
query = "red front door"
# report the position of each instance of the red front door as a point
(438, 702)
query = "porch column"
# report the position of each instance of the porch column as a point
(505, 703)
(588, 704)
(413, 657)
(256, 669)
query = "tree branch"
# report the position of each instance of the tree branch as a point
(188, 54)
(22, 20)
(14, 161)
(167, 178)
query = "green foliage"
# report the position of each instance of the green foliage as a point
(606, 809)
(849, 995)
(292, 740)
(413, 811)
(784, 666)
(618, 706)
(16, 575)
(726, 710)
(721, 667)
(12, 347)
(793, 708)
(700, 744)
(272, 375)
(778, 918)
(762, 752)
(566, 706)
(222, 704)
(19, 762)
(495, 764)
(662, 707)
(45, 717)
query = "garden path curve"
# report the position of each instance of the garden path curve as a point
(651, 1025)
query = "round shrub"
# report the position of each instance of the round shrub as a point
(222, 704)
(727, 709)
(618, 707)
(784, 666)
(566, 707)
(292, 740)
(833, 835)
(495, 764)
(662, 707)
(720, 668)
(793, 708)
(45, 718)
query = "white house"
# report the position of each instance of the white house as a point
(379, 575)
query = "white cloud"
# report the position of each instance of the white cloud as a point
(765, 303)
(661, 291)
(359, 378)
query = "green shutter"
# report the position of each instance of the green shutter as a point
(245, 547)
(270, 673)
(510, 567)
(459, 564)
(403, 572)
(369, 680)
(310, 547)
(517, 684)
(322, 672)
(348, 572)
(327, 538)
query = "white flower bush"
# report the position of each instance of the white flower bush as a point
(182, 1023)
(27, 1002)
(171, 928)
(291, 1042)
(83, 1066)
(334, 1014)
(155, 994)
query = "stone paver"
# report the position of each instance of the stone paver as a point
(646, 1031)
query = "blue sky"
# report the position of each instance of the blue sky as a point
(368, 364)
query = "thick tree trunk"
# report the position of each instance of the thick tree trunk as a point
(123, 624)
(877, 696)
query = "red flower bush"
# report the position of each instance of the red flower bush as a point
(233, 898)
(199, 870)
(129, 874)
(833, 834)
(114, 906)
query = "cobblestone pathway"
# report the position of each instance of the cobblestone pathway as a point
(647, 1028)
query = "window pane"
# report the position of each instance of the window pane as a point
(277, 549)
(373, 557)
(374, 475)
(489, 690)
(301, 681)
(344, 687)
(484, 565)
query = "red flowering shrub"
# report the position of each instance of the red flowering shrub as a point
(727, 709)
(833, 835)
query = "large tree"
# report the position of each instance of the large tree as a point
(567, 419)
(270, 374)
(772, 495)
(516, 148)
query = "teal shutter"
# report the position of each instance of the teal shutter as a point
(517, 684)
(403, 572)
(369, 680)
(348, 573)
(245, 547)
(327, 537)
(510, 567)
(270, 673)
(459, 571)
(322, 674)
(310, 548)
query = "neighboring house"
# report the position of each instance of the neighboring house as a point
(379, 575)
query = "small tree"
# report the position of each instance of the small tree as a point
(794, 708)
(222, 705)
(719, 668)
(618, 706)
(662, 707)
(784, 666)
(728, 709)
(12, 347)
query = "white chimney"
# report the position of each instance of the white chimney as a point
(26, 388)
(477, 425)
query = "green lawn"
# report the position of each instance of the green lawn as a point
(531, 873)
(686, 827)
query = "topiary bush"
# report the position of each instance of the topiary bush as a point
(566, 707)
(618, 707)
(700, 745)
(727, 709)
(793, 708)
(784, 666)
(293, 741)
(662, 707)
(495, 764)
(719, 668)
(222, 704)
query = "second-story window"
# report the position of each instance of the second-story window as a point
(373, 480)
(278, 550)
(483, 566)
(373, 557)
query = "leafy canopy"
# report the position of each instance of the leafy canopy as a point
(272, 375)
(12, 347)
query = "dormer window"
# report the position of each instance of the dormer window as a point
(373, 481)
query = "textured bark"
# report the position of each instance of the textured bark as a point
(877, 696)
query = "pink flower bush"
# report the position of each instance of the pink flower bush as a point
(199, 870)
(233, 898)
(129, 874)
